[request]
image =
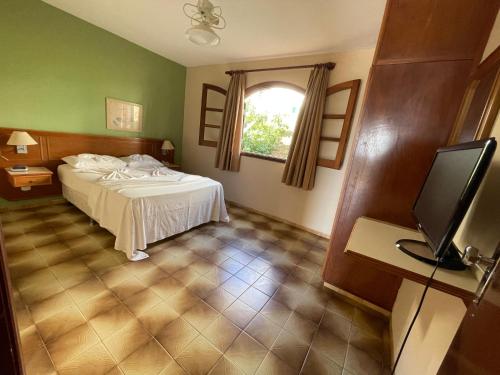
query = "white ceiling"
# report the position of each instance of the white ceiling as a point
(256, 28)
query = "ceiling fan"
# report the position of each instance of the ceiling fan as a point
(204, 18)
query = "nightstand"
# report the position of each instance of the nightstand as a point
(175, 167)
(35, 176)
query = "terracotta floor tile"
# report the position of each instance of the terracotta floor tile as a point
(221, 333)
(246, 353)
(127, 340)
(201, 315)
(266, 285)
(199, 356)
(359, 362)
(176, 336)
(336, 324)
(301, 327)
(276, 312)
(197, 296)
(235, 286)
(60, 323)
(316, 364)
(149, 359)
(220, 299)
(142, 301)
(225, 367)
(94, 361)
(263, 330)
(111, 321)
(158, 317)
(68, 346)
(99, 304)
(275, 366)
(254, 298)
(45, 308)
(290, 349)
(39, 363)
(331, 346)
(240, 314)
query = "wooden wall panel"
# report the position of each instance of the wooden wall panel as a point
(425, 54)
(52, 146)
(423, 30)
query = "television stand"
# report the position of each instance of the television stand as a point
(420, 250)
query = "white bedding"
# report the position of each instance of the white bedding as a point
(147, 205)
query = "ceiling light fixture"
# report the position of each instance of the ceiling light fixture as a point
(204, 18)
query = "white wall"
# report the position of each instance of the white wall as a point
(432, 333)
(258, 183)
(494, 39)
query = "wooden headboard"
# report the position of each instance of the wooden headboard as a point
(52, 146)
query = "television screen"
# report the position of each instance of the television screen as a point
(449, 189)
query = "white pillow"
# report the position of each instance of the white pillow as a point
(141, 161)
(93, 161)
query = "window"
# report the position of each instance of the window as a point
(271, 111)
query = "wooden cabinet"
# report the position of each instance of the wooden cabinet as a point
(35, 176)
(425, 54)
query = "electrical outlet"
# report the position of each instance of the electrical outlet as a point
(23, 149)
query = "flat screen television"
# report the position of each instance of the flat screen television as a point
(445, 196)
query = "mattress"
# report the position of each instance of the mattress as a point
(143, 206)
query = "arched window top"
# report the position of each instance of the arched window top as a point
(271, 110)
(273, 84)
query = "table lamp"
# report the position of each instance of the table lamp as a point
(166, 148)
(21, 140)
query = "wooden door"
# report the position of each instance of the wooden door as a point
(474, 349)
(10, 356)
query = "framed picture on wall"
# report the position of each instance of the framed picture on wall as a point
(122, 115)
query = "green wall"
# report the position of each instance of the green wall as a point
(56, 70)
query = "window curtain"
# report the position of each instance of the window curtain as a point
(300, 167)
(229, 145)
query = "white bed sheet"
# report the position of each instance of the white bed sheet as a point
(143, 210)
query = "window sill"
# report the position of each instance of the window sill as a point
(264, 157)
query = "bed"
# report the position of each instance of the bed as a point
(142, 206)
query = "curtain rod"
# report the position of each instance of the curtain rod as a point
(329, 65)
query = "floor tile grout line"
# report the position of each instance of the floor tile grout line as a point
(253, 255)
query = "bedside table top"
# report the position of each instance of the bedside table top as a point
(170, 165)
(31, 171)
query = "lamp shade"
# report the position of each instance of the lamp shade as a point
(202, 35)
(18, 138)
(167, 145)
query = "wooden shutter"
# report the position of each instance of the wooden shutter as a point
(212, 103)
(342, 138)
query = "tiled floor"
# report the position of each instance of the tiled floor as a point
(238, 298)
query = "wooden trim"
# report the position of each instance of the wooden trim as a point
(209, 109)
(329, 65)
(270, 84)
(331, 139)
(420, 60)
(333, 117)
(11, 341)
(359, 302)
(203, 115)
(489, 63)
(263, 157)
(492, 106)
(462, 112)
(406, 274)
(353, 86)
(490, 111)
